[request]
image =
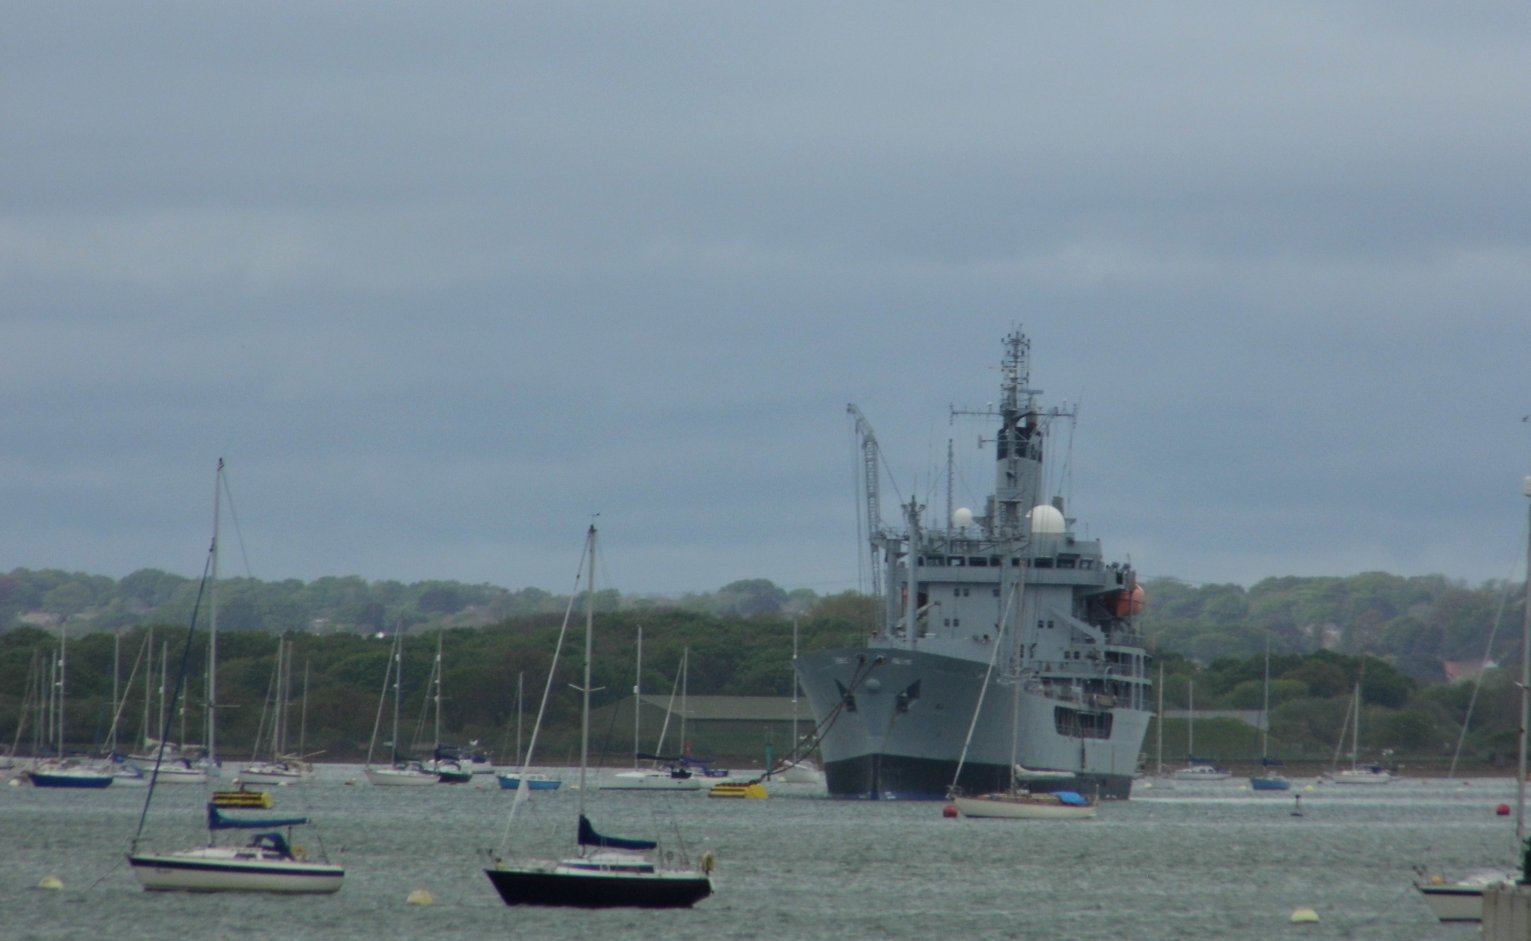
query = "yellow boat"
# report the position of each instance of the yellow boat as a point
(752, 791)
(242, 799)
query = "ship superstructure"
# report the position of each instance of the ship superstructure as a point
(1005, 641)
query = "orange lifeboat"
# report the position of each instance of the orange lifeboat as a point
(1126, 604)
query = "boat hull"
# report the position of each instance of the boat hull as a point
(395, 777)
(1362, 777)
(1006, 807)
(200, 872)
(894, 746)
(78, 780)
(510, 782)
(1454, 903)
(1202, 773)
(559, 887)
(650, 781)
(1270, 784)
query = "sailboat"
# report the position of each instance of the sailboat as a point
(608, 871)
(536, 780)
(444, 762)
(281, 768)
(1196, 769)
(1462, 899)
(402, 772)
(269, 862)
(673, 775)
(1019, 801)
(794, 769)
(64, 771)
(1358, 773)
(1269, 779)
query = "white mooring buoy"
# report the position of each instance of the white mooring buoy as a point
(421, 897)
(52, 883)
(1304, 916)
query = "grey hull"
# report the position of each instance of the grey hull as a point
(898, 720)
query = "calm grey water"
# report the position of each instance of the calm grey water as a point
(1178, 863)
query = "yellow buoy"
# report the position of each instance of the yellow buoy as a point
(53, 883)
(421, 897)
(1304, 916)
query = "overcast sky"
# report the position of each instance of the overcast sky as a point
(441, 281)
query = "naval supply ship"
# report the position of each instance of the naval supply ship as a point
(1006, 648)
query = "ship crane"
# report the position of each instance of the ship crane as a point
(867, 484)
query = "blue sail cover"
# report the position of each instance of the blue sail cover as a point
(588, 837)
(1071, 798)
(217, 821)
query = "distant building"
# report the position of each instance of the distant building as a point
(1458, 670)
(730, 728)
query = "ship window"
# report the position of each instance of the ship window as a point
(1075, 724)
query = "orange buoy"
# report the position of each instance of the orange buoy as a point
(950, 810)
(1502, 810)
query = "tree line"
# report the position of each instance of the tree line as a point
(1409, 633)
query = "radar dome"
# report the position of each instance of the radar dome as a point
(1046, 521)
(962, 516)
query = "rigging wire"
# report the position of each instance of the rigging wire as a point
(1488, 651)
(522, 788)
(180, 682)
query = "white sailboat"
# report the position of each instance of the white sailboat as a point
(1462, 899)
(280, 768)
(444, 762)
(1358, 773)
(1196, 769)
(269, 862)
(1031, 794)
(608, 871)
(793, 769)
(400, 772)
(672, 774)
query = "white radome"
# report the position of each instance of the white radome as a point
(1046, 521)
(962, 516)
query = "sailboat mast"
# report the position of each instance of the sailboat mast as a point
(437, 689)
(584, 725)
(1190, 720)
(1265, 707)
(212, 631)
(398, 671)
(303, 716)
(116, 677)
(795, 685)
(1159, 770)
(148, 685)
(63, 660)
(1525, 682)
(637, 701)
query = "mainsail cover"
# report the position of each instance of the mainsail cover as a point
(217, 821)
(588, 837)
